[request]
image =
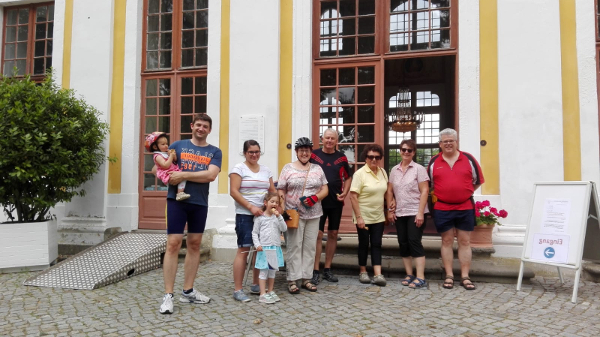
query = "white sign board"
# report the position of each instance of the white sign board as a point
(550, 248)
(252, 127)
(561, 215)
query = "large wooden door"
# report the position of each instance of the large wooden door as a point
(169, 104)
(349, 102)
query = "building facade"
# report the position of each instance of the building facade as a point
(517, 79)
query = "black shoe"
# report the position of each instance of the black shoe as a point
(328, 275)
(315, 279)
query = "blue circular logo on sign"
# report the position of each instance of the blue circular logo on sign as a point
(549, 252)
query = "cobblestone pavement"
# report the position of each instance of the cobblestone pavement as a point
(348, 308)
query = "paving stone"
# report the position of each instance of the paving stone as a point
(348, 308)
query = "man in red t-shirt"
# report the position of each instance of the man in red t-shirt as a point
(454, 177)
(339, 177)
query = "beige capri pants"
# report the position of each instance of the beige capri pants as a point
(301, 249)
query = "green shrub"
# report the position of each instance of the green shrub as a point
(50, 144)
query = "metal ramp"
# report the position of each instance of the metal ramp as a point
(121, 257)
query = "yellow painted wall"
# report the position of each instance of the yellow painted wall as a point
(488, 58)
(68, 38)
(224, 112)
(116, 97)
(285, 82)
(570, 92)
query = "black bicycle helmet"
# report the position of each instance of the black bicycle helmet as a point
(303, 142)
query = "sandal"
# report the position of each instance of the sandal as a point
(309, 286)
(448, 284)
(408, 280)
(293, 288)
(467, 285)
(418, 283)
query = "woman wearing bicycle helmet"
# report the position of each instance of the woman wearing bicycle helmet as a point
(302, 186)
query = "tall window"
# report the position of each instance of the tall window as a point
(347, 104)
(175, 58)
(419, 24)
(27, 44)
(351, 39)
(347, 27)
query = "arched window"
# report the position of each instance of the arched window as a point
(420, 24)
(330, 27)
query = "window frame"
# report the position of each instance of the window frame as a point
(382, 37)
(175, 74)
(30, 58)
(176, 35)
(378, 122)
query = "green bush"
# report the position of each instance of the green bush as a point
(50, 144)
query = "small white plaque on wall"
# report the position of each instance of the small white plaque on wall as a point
(252, 127)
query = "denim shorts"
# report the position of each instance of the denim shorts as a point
(446, 220)
(243, 228)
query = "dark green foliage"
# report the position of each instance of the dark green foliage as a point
(50, 144)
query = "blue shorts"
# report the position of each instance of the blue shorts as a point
(179, 213)
(446, 220)
(243, 228)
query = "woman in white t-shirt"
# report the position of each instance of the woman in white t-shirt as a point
(249, 181)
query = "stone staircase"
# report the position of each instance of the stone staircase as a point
(484, 267)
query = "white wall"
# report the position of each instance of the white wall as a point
(91, 70)
(530, 101)
(468, 77)
(254, 74)
(302, 72)
(122, 209)
(588, 97)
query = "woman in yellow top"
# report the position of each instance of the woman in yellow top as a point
(367, 194)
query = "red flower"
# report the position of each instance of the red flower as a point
(486, 213)
(494, 210)
(503, 214)
(477, 214)
(485, 203)
(478, 205)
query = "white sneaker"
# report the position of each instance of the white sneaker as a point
(266, 299)
(194, 297)
(182, 196)
(167, 305)
(274, 296)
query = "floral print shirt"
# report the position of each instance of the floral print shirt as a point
(291, 180)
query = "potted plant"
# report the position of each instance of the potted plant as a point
(486, 217)
(51, 143)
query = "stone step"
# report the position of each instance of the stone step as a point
(484, 267)
(204, 254)
(431, 244)
(486, 270)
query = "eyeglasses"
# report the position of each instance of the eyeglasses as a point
(449, 141)
(406, 150)
(253, 152)
(374, 157)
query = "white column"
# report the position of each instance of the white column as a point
(91, 70)
(253, 90)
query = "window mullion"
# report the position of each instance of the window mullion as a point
(176, 38)
(30, 40)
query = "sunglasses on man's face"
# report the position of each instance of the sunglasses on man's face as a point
(374, 157)
(406, 150)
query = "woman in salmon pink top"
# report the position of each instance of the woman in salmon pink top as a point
(407, 193)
